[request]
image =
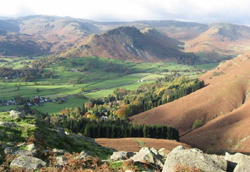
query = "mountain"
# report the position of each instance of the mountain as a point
(211, 42)
(219, 110)
(129, 43)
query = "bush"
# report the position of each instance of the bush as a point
(197, 123)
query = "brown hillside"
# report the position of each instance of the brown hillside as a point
(223, 106)
(128, 43)
(131, 144)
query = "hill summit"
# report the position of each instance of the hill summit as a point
(129, 43)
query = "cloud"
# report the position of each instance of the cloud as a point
(24, 11)
(205, 11)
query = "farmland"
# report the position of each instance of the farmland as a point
(95, 77)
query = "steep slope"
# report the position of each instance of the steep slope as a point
(128, 43)
(222, 106)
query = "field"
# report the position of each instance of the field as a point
(97, 76)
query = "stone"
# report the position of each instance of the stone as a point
(147, 155)
(162, 152)
(84, 155)
(59, 151)
(61, 161)
(121, 155)
(31, 147)
(28, 163)
(17, 151)
(238, 162)
(193, 158)
(16, 114)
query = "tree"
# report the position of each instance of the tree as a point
(37, 90)
(82, 89)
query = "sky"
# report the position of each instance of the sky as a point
(203, 11)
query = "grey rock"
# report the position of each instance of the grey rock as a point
(239, 162)
(84, 155)
(17, 151)
(194, 158)
(59, 151)
(61, 161)
(121, 155)
(147, 155)
(162, 152)
(28, 163)
(9, 150)
(16, 114)
(8, 124)
(31, 147)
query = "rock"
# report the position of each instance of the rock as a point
(16, 114)
(193, 158)
(22, 152)
(147, 155)
(122, 155)
(8, 124)
(238, 162)
(59, 151)
(129, 171)
(17, 151)
(31, 147)
(162, 152)
(61, 161)
(28, 163)
(83, 155)
(9, 150)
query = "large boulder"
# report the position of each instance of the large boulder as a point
(28, 163)
(148, 155)
(179, 158)
(121, 155)
(238, 162)
(16, 114)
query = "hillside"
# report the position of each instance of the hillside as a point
(220, 109)
(128, 43)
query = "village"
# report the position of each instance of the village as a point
(36, 101)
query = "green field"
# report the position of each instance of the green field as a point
(91, 73)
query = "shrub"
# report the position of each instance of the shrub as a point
(197, 123)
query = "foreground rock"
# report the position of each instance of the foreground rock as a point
(28, 163)
(238, 162)
(121, 155)
(179, 158)
(148, 155)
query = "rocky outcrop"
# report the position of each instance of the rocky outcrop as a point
(28, 163)
(16, 114)
(179, 158)
(121, 155)
(148, 155)
(238, 162)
